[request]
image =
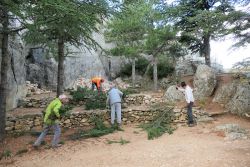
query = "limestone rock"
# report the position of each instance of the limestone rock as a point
(173, 95)
(204, 82)
(225, 93)
(232, 131)
(240, 103)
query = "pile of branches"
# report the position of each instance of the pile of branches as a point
(98, 130)
(161, 123)
(91, 99)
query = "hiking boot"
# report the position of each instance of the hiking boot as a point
(35, 146)
(191, 125)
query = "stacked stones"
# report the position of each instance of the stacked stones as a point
(34, 90)
(86, 83)
(139, 111)
(36, 103)
(199, 115)
(24, 123)
(140, 99)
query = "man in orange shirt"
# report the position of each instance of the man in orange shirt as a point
(97, 82)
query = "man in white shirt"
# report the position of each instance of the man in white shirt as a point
(190, 101)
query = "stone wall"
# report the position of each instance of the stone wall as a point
(76, 119)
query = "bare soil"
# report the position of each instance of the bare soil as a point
(196, 146)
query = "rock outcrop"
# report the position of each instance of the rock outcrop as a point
(204, 82)
(173, 95)
(240, 103)
(16, 74)
(225, 93)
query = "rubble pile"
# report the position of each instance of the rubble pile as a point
(32, 89)
(84, 82)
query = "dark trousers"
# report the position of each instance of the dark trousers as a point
(189, 113)
(94, 85)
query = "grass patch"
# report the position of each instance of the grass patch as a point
(160, 124)
(6, 154)
(121, 141)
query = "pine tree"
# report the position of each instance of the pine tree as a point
(199, 21)
(54, 24)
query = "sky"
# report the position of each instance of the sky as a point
(222, 53)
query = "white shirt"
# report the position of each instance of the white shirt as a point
(188, 94)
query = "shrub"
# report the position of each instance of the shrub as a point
(129, 91)
(97, 101)
(140, 67)
(163, 70)
(92, 99)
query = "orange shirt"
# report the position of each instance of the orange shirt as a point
(97, 81)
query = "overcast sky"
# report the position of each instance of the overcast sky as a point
(222, 53)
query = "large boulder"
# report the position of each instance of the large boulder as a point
(16, 74)
(173, 95)
(225, 93)
(240, 103)
(204, 82)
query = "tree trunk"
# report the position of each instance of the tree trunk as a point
(147, 69)
(133, 72)
(60, 73)
(206, 49)
(155, 73)
(5, 64)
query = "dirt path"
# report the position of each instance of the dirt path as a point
(197, 146)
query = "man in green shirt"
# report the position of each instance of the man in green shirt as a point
(51, 121)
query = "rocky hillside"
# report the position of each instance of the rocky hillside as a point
(30, 63)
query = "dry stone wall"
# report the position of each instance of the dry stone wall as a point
(76, 119)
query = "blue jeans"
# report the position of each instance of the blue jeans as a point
(189, 113)
(57, 133)
(116, 108)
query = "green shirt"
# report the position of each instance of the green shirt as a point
(52, 112)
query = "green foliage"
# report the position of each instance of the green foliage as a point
(64, 110)
(141, 64)
(121, 141)
(99, 129)
(97, 102)
(198, 23)
(160, 124)
(164, 69)
(92, 99)
(6, 154)
(127, 29)
(129, 91)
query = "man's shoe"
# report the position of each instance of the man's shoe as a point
(191, 125)
(35, 146)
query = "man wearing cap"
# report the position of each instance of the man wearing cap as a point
(188, 91)
(51, 121)
(114, 101)
(97, 82)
